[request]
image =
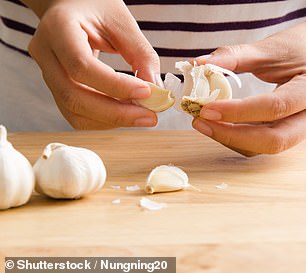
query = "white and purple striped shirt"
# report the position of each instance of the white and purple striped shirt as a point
(177, 29)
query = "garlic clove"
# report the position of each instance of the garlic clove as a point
(166, 178)
(204, 84)
(67, 172)
(160, 99)
(16, 175)
(218, 81)
(215, 68)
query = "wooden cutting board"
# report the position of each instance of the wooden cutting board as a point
(257, 224)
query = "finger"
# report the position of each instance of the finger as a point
(245, 153)
(238, 58)
(263, 139)
(242, 152)
(96, 106)
(287, 100)
(82, 123)
(75, 55)
(95, 39)
(276, 58)
(253, 58)
(270, 59)
(86, 102)
(128, 40)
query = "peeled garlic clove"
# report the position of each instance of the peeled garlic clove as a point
(66, 172)
(204, 84)
(215, 68)
(218, 81)
(160, 99)
(166, 178)
(16, 175)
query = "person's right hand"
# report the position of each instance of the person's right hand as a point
(90, 94)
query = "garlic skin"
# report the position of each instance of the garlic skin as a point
(159, 101)
(151, 205)
(67, 172)
(204, 84)
(166, 178)
(16, 175)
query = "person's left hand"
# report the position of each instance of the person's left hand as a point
(268, 123)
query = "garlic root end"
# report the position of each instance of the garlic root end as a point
(149, 189)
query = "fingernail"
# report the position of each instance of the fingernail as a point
(142, 92)
(158, 81)
(202, 127)
(210, 114)
(145, 122)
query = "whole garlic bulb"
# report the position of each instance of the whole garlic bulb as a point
(66, 172)
(16, 175)
(166, 178)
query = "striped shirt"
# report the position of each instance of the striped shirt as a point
(177, 29)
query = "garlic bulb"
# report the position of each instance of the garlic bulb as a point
(16, 175)
(67, 172)
(160, 99)
(166, 178)
(202, 84)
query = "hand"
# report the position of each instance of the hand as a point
(90, 94)
(268, 123)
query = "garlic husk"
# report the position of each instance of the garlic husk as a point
(132, 188)
(202, 85)
(16, 175)
(160, 100)
(166, 178)
(67, 172)
(151, 205)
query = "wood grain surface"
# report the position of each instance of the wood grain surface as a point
(257, 224)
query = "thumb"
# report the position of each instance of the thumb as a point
(237, 58)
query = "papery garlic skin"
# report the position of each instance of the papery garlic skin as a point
(67, 172)
(16, 175)
(159, 101)
(151, 205)
(166, 178)
(204, 84)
